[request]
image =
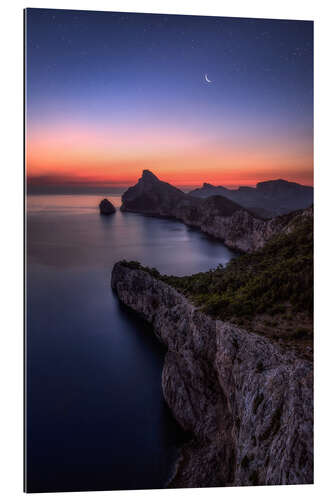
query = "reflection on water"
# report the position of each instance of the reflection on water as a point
(66, 203)
(96, 418)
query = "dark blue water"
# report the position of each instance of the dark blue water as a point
(96, 418)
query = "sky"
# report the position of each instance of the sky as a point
(110, 94)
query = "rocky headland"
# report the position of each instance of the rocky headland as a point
(238, 373)
(246, 401)
(218, 216)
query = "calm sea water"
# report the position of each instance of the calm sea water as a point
(96, 418)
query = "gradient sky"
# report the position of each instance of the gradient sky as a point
(109, 94)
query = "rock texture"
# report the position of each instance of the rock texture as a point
(106, 207)
(247, 403)
(267, 199)
(217, 216)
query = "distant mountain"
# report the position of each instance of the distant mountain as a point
(151, 196)
(267, 199)
(215, 215)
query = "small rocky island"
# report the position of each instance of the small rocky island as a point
(106, 207)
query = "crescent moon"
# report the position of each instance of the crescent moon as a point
(207, 79)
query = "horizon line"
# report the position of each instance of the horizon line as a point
(40, 188)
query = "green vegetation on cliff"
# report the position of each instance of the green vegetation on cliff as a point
(276, 277)
(266, 281)
(269, 291)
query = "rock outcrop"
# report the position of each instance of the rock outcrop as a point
(150, 196)
(106, 207)
(217, 216)
(246, 402)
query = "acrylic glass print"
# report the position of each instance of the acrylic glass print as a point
(169, 251)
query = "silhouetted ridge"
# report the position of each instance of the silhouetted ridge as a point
(152, 196)
(267, 199)
(147, 175)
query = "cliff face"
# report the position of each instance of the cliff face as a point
(216, 215)
(239, 230)
(247, 403)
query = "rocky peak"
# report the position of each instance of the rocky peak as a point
(148, 176)
(151, 196)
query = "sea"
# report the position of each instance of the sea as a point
(95, 414)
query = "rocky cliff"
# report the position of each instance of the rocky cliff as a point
(217, 216)
(246, 402)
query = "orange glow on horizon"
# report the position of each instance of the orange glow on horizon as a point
(70, 153)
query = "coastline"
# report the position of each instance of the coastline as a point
(237, 227)
(193, 227)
